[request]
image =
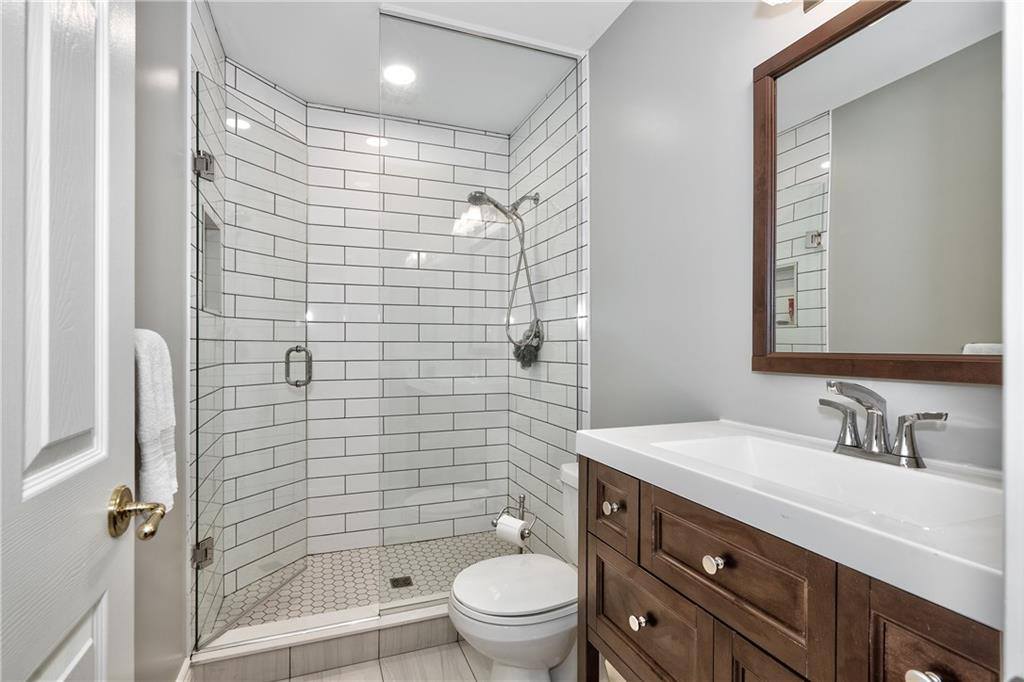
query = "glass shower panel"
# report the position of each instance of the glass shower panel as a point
(206, 442)
(256, 134)
(345, 289)
(466, 429)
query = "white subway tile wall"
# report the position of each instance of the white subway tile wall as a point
(265, 310)
(351, 233)
(548, 402)
(408, 421)
(803, 156)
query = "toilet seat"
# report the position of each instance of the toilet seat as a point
(518, 589)
(512, 621)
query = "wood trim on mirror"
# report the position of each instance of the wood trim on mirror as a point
(973, 369)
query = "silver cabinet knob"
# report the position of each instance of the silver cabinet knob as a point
(918, 676)
(712, 564)
(609, 508)
(637, 622)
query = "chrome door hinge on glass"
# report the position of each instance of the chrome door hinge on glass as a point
(203, 165)
(202, 553)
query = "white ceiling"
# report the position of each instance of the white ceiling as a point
(327, 53)
(463, 79)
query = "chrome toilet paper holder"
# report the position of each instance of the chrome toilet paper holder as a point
(519, 512)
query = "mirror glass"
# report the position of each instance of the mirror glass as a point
(889, 188)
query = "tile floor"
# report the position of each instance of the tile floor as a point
(360, 577)
(457, 662)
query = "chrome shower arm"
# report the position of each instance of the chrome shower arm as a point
(535, 198)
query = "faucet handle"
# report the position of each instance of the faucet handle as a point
(848, 434)
(905, 446)
(924, 417)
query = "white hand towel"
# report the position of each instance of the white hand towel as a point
(154, 419)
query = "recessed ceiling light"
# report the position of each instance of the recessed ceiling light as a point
(376, 142)
(238, 124)
(826, 165)
(399, 74)
(775, 2)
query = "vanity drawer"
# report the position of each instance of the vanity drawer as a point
(613, 508)
(676, 639)
(777, 595)
(909, 633)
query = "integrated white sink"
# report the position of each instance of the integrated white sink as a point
(923, 499)
(935, 532)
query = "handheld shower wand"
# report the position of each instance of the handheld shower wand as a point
(527, 348)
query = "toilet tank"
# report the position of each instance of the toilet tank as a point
(570, 509)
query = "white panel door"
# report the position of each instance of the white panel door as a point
(1013, 337)
(67, 369)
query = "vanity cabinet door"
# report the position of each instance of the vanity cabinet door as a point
(777, 595)
(613, 507)
(737, 660)
(658, 634)
(885, 633)
(909, 633)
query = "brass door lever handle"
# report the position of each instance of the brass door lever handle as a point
(122, 507)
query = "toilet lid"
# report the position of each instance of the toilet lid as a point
(516, 585)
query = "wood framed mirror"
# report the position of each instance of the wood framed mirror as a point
(878, 196)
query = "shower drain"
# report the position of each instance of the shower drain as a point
(401, 581)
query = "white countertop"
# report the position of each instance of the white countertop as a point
(954, 559)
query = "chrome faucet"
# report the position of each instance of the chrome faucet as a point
(875, 444)
(876, 427)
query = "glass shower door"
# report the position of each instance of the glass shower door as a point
(251, 440)
(207, 390)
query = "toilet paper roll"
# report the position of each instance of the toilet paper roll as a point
(510, 529)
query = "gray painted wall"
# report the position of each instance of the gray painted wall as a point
(671, 187)
(916, 203)
(161, 304)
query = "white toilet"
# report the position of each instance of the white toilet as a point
(520, 610)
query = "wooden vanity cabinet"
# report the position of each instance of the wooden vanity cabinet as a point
(672, 590)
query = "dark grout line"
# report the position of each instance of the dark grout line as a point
(469, 665)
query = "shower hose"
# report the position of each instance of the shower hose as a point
(527, 348)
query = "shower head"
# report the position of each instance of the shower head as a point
(479, 198)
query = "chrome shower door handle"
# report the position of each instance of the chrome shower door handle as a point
(288, 366)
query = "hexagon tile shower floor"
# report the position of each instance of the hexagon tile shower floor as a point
(361, 577)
